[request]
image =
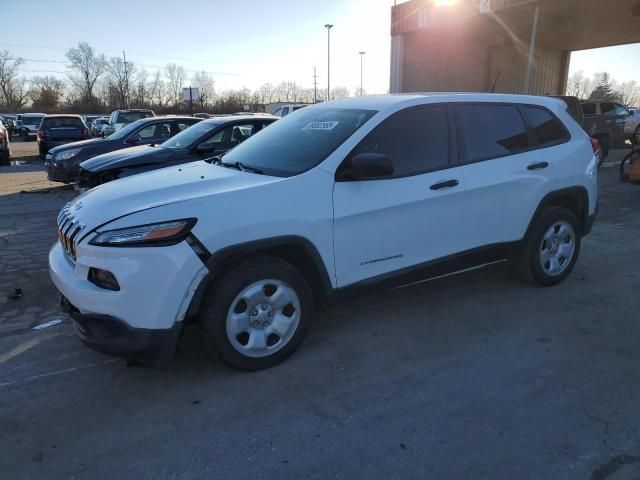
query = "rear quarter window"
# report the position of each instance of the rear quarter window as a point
(589, 108)
(548, 128)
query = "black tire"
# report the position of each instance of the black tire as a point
(635, 138)
(42, 153)
(528, 264)
(219, 299)
(25, 136)
(5, 158)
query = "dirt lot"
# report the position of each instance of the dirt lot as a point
(473, 376)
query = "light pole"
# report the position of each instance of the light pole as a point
(328, 26)
(361, 57)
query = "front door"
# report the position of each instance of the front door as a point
(413, 216)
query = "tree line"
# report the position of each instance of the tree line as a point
(96, 83)
(602, 87)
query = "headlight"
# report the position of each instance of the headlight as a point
(67, 154)
(153, 235)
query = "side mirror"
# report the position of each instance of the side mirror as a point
(367, 166)
(205, 148)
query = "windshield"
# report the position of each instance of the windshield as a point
(128, 117)
(300, 141)
(31, 120)
(189, 135)
(126, 130)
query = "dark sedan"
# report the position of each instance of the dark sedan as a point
(206, 139)
(63, 163)
(56, 130)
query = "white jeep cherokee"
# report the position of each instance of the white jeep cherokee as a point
(332, 197)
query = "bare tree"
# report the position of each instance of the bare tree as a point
(141, 89)
(266, 93)
(175, 77)
(121, 76)
(88, 66)
(206, 87)
(579, 86)
(339, 92)
(158, 91)
(629, 93)
(12, 86)
(46, 93)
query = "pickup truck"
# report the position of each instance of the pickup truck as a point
(605, 121)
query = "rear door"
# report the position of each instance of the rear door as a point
(411, 217)
(63, 129)
(508, 168)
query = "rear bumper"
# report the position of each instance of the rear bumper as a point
(113, 336)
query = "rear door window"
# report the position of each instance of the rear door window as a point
(416, 139)
(546, 126)
(491, 131)
(589, 108)
(62, 122)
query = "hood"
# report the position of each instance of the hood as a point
(165, 186)
(82, 143)
(126, 157)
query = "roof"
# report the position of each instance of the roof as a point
(63, 115)
(237, 118)
(381, 102)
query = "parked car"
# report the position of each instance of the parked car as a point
(5, 145)
(338, 196)
(56, 130)
(604, 121)
(62, 163)
(89, 119)
(285, 110)
(632, 126)
(28, 125)
(97, 124)
(10, 124)
(206, 139)
(120, 118)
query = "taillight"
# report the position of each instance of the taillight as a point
(41, 134)
(595, 144)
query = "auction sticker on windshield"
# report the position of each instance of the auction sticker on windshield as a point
(322, 125)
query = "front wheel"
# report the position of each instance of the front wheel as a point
(551, 247)
(257, 314)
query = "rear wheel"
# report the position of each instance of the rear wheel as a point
(5, 158)
(42, 152)
(551, 248)
(257, 314)
(635, 139)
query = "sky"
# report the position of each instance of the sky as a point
(622, 62)
(242, 43)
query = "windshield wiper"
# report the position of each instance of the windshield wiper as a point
(242, 167)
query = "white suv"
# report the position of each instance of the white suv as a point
(333, 197)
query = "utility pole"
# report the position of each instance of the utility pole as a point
(328, 26)
(361, 56)
(126, 81)
(315, 86)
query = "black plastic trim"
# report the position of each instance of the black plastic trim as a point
(111, 335)
(220, 258)
(431, 269)
(200, 250)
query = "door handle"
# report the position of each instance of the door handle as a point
(445, 184)
(538, 166)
